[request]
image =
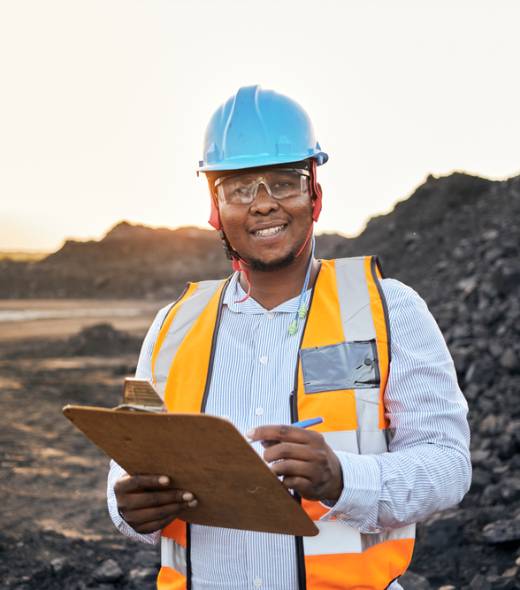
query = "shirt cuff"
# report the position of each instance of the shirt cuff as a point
(357, 504)
(115, 473)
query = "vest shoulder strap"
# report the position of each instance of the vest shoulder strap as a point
(178, 321)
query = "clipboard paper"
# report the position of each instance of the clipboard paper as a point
(203, 454)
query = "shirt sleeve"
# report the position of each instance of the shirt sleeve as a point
(428, 465)
(143, 371)
(116, 471)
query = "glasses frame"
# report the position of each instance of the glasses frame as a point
(260, 180)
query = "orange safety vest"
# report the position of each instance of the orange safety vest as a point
(342, 373)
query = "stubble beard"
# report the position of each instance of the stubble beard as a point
(281, 263)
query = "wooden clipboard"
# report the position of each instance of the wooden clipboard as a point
(204, 454)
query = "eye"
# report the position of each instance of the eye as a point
(240, 193)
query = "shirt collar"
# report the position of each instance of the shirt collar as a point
(234, 293)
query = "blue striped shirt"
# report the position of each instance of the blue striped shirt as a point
(427, 469)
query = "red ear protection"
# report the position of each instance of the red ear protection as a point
(214, 216)
(316, 189)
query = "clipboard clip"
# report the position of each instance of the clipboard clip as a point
(140, 408)
(140, 395)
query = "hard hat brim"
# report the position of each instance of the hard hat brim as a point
(258, 161)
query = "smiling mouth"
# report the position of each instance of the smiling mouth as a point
(269, 231)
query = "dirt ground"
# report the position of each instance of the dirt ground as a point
(54, 526)
(58, 318)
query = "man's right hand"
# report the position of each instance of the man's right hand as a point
(149, 502)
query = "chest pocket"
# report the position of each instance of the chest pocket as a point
(347, 365)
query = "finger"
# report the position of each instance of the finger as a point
(301, 485)
(286, 450)
(144, 515)
(284, 433)
(136, 483)
(269, 443)
(292, 468)
(133, 501)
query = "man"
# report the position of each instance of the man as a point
(289, 337)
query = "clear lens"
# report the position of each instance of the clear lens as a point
(281, 183)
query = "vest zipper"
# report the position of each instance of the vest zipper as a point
(300, 556)
(188, 557)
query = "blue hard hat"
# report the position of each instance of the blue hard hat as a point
(258, 127)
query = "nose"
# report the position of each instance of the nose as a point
(263, 202)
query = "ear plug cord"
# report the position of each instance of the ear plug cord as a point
(301, 312)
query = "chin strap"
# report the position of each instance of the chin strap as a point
(316, 207)
(236, 264)
(302, 247)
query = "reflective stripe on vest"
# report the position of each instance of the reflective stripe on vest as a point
(342, 372)
(176, 326)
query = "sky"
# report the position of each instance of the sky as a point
(104, 103)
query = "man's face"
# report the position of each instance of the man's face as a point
(268, 232)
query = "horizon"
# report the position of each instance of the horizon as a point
(97, 132)
(318, 230)
(134, 224)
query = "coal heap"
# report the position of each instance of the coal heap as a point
(457, 241)
(131, 261)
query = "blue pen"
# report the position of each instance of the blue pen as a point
(307, 423)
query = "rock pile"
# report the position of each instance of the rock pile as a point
(75, 564)
(131, 261)
(457, 241)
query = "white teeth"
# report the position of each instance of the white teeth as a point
(269, 231)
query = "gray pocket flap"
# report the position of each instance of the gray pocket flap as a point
(348, 365)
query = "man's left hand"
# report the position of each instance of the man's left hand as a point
(306, 462)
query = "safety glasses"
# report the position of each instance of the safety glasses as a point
(279, 183)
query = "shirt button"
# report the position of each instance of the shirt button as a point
(263, 360)
(257, 582)
(259, 411)
(269, 315)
